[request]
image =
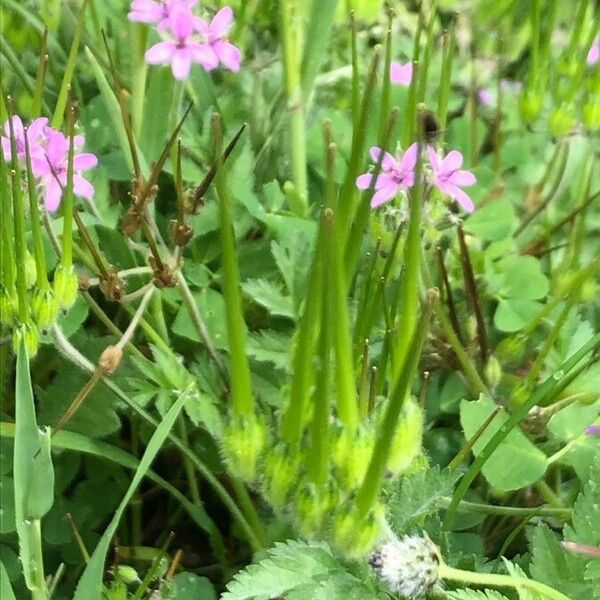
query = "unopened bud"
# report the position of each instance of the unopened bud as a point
(354, 535)
(406, 444)
(29, 333)
(530, 104)
(510, 349)
(562, 121)
(493, 371)
(65, 286)
(110, 359)
(281, 471)
(180, 233)
(409, 566)
(7, 307)
(30, 270)
(44, 308)
(312, 508)
(352, 454)
(591, 115)
(128, 575)
(244, 439)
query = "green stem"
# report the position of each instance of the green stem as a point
(548, 494)
(371, 485)
(511, 511)
(67, 236)
(140, 71)
(291, 42)
(446, 79)
(40, 591)
(493, 579)
(409, 298)
(241, 387)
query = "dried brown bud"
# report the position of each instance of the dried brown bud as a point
(110, 359)
(84, 283)
(164, 275)
(111, 285)
(132, 221)
(180, 233)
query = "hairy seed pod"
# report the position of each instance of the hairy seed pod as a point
(65, 286)
(354, 535)
(44, 308)
(407, 438)
(281, 472)
(352, 453)
(244, 440)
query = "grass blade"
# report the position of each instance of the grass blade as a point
(90, 584)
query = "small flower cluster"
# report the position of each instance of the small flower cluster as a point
(188, 38)
(49, 151)
(399, 174)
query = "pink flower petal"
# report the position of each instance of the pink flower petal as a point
(593, 55)
(434, 159)
(202, 27)
(364, 181)
(6, 150)
(57, 148)
(228, 54)
(40, 166)
(462, 178)
(161, 53)
(452, 162)
(84, 161)
(82, 187)
(409, 158)
(181, 63)
(35, 131)
(221, 22)
(204, 55)
(52, 194)
(401, 74)
(385, 194)
(17, 126)
(461, 197)
(181, 22)
(388, 162)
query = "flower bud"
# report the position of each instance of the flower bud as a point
(44, 308)
(352, 453)
(530, 104)
(7, 307)
(354, 535)
(471, 327)
(591, 115)
(409, 566)
(406, 444)
(29, 332)
(562, 121)
(30, 270)
(312, 508)
(493, 371)
(110, 359)
(281, 472)
(128, 575)
(65, 287)
(510, 349)
(244, 439)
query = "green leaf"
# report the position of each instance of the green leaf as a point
(270, 296)
(32, 470)
(6, 591)
(585, 524)
(522, 278)
(290, 566)
(189, 586)
(270, 346)
(90, 584)
(475, 595)
(517, 462)
(416, 496)
(492, 222)
(515, 313)
(212, 310)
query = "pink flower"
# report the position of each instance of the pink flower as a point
(486, 97)
(401, 74)
(157, 13)
(215, 36)
(182, 51)
(52, 169)
(395, 176)
(593, 430)
(36, 136)
(594, 54)
(448, 177)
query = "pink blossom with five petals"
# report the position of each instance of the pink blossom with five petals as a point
(449, 178)
(395, 176)
(52, 169)
(36, 136)
(215, 36)
(181, 52)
